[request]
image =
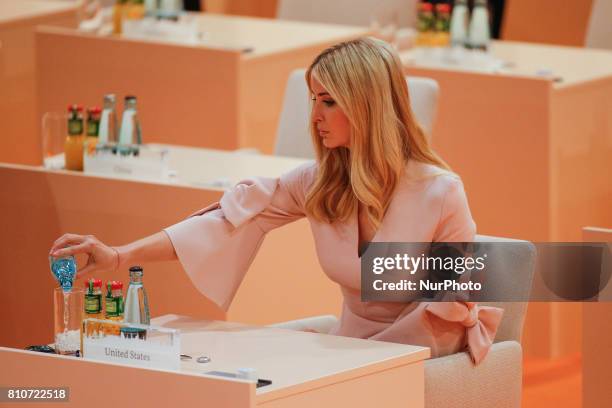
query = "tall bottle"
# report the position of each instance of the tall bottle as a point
(119, 10)
(130, 135)
(108, 122)
(479, 33)
(73, 146)
(136, 301)
(93, 129)
(459, 24)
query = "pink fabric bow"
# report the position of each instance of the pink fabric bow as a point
(481, 323)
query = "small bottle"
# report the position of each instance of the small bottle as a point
(73, 146)
(136, 301)
(119, 10)
(458, 24)
(114, 305)
(479, 34)
(130, 135)
(425, 24)
(108, 122)
(93, 129)
(135, 10)
(442, 35)
(93, 298)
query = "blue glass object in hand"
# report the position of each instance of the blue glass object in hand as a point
(64, 270)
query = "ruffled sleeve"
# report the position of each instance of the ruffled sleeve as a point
(217, 244)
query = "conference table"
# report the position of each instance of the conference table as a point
(40, 204)
(306, 370)
(527, 127)
(222, 89)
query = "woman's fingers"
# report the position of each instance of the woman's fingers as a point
(66, 240)
(83, 248)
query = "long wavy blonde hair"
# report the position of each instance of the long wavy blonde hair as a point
(365, 78)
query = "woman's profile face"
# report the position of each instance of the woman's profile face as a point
(329, 121)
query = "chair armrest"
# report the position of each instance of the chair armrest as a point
(454, 382)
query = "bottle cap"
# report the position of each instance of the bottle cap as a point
(116, 285)
(136, 268)
(75, 107)
(426, 6)
(97, 283)
(94, 110)
(130, 97)
(443, 7)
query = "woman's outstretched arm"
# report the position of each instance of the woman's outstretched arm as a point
(104, 258)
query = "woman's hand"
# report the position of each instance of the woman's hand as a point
(101, 257)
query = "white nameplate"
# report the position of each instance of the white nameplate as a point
(160, 349)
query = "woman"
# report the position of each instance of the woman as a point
(375, 179)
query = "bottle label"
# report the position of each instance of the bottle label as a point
(93, 304)
(93, 128)
(111, 307)
(75, 127)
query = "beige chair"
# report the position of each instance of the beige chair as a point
(293, 138)
(453, 381)
(599, 28)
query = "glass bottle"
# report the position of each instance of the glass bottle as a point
(442, 24)
(93, 298)
(136, 301)
(459, 22)
(130, 134)
(73, 146)
(425, 24)
(114, 305)
(93, 129)
(108, 122)
(479, 33)
(119, 10)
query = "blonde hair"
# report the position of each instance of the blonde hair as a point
(365, 78)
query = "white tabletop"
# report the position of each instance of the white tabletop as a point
(566, 66)
(12, 11)
(288, 358)
(195, 167)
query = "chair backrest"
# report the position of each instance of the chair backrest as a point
(293, 137)
(362, 12)
(599, 29)
(511, 270)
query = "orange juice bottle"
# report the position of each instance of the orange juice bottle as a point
(73, 146)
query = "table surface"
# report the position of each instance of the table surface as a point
(17, 10)
(567, 65)
(288, 358)
(210, 168)
(267, 36)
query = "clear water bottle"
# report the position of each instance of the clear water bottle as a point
(136, 302)
(479, 33)
(459, 23)
(130, 135)
(108, 122)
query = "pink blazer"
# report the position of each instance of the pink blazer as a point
(217, 244)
